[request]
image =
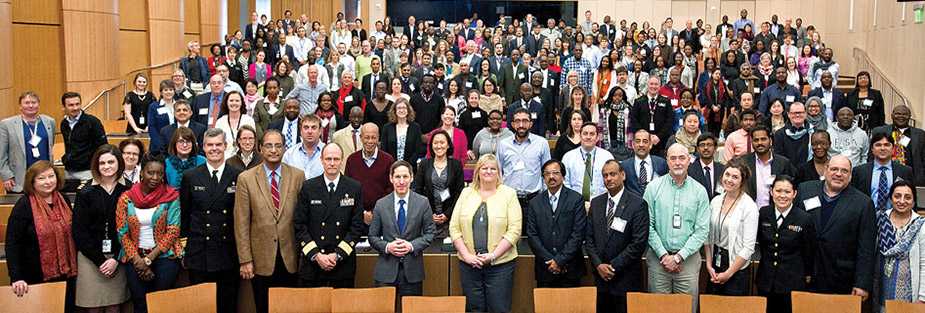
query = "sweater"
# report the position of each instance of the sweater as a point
(81, 142)
(374, 179)
(852, 143)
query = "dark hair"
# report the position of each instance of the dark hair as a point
(37, 168)
(95, 160)
(449, 141)
(520, 110)
(143, 162)
(784, 178)
(761, 127)
(877, 136)
(821, 132)
(748, 112)
(904, 183)
(136, 142)
(704, 136)
(551, 162)
(68, 95)
(227, 96)
(183, 133)
(398, 164)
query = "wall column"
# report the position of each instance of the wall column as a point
(91, 33)
(7, 100)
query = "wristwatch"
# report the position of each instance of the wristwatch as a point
(147, 261)
(678, 259)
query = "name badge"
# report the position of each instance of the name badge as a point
(618, 224)
(347, 201)
(107, 246)
(204, 111)
(163, 111)
(533, 116)
(790, 98)
(231, 189)
(476, 114)
(348, 99)
(35, 140)
(904, 141)
(439, 86)
(651, 127)
(35, 152)
(521, 76)
(468, 84)
(674, 102)
(411, 87)
(141, 119)
(445, 194)
(757, 90)
(187, 94)
(519, 165)
(676, 221)
(811, 203)
(868, 102)
(315, 202)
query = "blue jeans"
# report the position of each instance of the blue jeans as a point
(487, 289)
(165, 274)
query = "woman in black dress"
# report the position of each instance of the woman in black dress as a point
(377, 110)
(570, 138)
(135, 106)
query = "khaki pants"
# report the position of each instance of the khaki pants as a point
(685, 282)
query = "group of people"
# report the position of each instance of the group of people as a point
(365, 137)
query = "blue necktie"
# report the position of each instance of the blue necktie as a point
(882, 189)
(401, 216)
(289, 139)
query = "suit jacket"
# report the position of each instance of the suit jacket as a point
(495, 64)
(533, 44)
(261, 233)
(915, 150)
(663, 118)
(326, 223)
(620, 249)
(846, 245)
(414, 142)
(367, 86)
(344, 138)
(425, 186)
(786, 251)
(659, 165)
(276, 54)
(861, 176)
(838, 98)
(200, 107)
(278, 125)
(557, 235)
(249, 33)
(509, 82)
(419, 231)
(779, 165)
(207, 219)
(167, 132)
(13, 149)
(695, 171)
(537, 113)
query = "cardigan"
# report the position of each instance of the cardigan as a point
(743, 224)
(23, 260)
(82, 141)
(454, 181)
(174, 175)
(374, 179)
(94, 220)
(166, 226)
(504, 220)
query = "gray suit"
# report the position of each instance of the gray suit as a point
(419, 230)
(13, 149)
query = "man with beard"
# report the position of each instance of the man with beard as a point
(739, 142)
(786, 93)
(764, 165)
(910, 142)
(289, 124)
(532, 104)
(825, 64)
(521, 157)
(544, 96)
(747, 82)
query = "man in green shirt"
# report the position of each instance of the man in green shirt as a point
(679, 214)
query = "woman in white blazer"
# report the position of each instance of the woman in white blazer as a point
(901, 248)
(733, 231)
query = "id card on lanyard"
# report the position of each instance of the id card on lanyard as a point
(34, 139)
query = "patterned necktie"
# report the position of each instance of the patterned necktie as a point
(552, 203)
(586, 183)
(610, 210)
(289, 138)
(215, 109)
(643, 175)
(899, 151)
(709, 177)
(401, 216)
(882, 189)
(274, 191)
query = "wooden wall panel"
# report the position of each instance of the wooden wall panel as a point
(133, 14)
(167, 9)
(167, 41)
(133, 51)
(37, 11)
(234, 16)
(6, 57)
(100, 6)
(91, 45)
(38, 68)
(209, 29)
(191, 16)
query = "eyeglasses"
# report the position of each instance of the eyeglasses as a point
(278, 146)
(552, 173)
(184, 142)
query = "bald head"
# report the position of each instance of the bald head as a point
(837, 174)
(678, 160)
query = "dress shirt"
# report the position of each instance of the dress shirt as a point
(220, 169)
(554, 203)
(582, 67)
(781, 216)
(649, 170)
(71, 122)
(371, 159)
(574, 162)
(763, 180)
(665, 199)
(297, 157)
(398, 198)
(279, 174)
(307, 94)
(182, 125)
(875, 181)
(737, 144)
(328, 182)
(616, 200)
(521, 163)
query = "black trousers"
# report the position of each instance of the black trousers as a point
(226, 281)
(262, 284)
(610, 303)
(403, 287)
(737, 285)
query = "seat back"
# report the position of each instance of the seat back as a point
(894, 306)
(363, 300)
(196, 298)
(454, 304)
(47, 297)
(807, 302)
(550, 300)
(300, 300)
(727, 304)
(637, 302)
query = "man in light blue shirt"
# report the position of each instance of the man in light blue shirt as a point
(521, 158)
(679, 213)
(584, 164)
(740, 23)
(308, 93)
(307, 156)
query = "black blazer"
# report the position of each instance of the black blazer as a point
(95, 218)
(22, 244)
(82, 141)
(424, 185)
(333, 222)
(414, 142)
(277, 55)
(622, 250)
(367, 86)
(207, 219)
(846, 245)
(915, 150)
(659, 166)
(695, 171)
(663, 117)
(786, 251)
(862, 174)
(838, 99)
(167, 132)
(807, 172)
(779, 165)
(557, 235)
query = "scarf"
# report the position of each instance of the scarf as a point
(183, 165)
(766, 70)
(888, 245)
(57, 252)
(161, 194)
(817, 122)
(794, 133)
(689, 141)
(899, 151)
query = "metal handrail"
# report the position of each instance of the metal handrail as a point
(892, 96)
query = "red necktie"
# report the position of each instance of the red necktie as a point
(274, 191)
(215, 108)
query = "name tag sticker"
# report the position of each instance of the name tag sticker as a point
(521, 76)
(199, 188)
(439, 86)
(107, 246)
(618, 224)
(757, 90)
(519, 165)
(468, 84)
(445, 194)
(674, 102)
(163, 110)
(811, 203)
(790, 98)
(676, 221)
(187, 94)
(315, 202)
(204, 111)
(868, 102)
(904, 141)
(411, 87)
(324, 123)
(476, 114)
(348, 99)
(533, 115)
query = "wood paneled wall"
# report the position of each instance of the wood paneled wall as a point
(6, 57)
(323, 11)
(209, 31)
(91, 46)
(167, 41)
(36, 26)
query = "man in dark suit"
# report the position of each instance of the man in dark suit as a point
(328, 223)
(846, 232)
(556, 221)
(513, 74)
(250, 32)
(534, 40)
(653, 113)
(497, 60)
(368, 82)
(875, 178)
(182, 113)
(410, 85)
(616, 236)
(828, 93)
(207, 222)
(289, 124)
(534, 107)
(764, 165)
(643, 168)
(207, 107)
(910, 142)
(706, 170)
(401, 229)
(281, 51)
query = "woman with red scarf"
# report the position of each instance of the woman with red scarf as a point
(148, 221)
(715, 101)
(39, 246)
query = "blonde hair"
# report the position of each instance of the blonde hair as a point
(483, 161)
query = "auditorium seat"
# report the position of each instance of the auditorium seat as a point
(807, 302)
(456, 304)
(196, 298)
(300, 300)
(894, 306)
(48, 297)
(729, 304)
(637, 302)
(580, 300)
(363, 300)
